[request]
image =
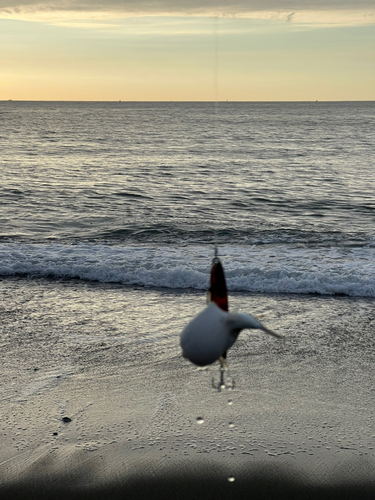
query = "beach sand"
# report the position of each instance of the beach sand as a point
(145, 423)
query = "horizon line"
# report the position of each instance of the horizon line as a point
(187, 101)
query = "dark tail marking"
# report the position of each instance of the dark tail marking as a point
(218, 287)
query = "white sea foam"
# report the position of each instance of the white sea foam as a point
(277, 269)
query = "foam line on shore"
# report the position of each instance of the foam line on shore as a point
(276, 269)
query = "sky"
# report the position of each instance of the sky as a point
(187, 50)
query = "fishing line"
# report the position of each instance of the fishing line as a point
(216, 103)
(216, 65)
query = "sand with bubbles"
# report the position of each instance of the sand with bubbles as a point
(143, 421)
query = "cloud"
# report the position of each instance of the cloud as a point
(303, 12)
(290, 16)
(176, 7)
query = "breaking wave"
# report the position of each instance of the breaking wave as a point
(274, 269)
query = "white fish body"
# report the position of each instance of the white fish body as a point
(212, 332)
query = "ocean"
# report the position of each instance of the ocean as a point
(109, 217)
(140, 193)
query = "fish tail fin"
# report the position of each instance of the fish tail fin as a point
(218, 289)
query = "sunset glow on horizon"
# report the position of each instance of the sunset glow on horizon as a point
(176, 51)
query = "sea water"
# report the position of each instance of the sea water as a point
(139, 193)
(98, 199)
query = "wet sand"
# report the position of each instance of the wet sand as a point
(144, 423)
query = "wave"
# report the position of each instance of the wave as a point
(274, 269)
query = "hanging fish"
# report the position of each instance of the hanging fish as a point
(213, 331)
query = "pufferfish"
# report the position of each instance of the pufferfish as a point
(214, 330)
